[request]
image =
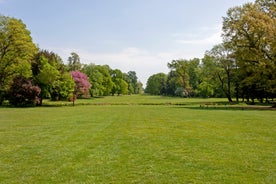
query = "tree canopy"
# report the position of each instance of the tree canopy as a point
(16, 51)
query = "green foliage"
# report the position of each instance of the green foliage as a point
(209, 84)
(156, 84)
(140, 89)
(249, 31)
(74, 63)
(180, 67)
(50, 74)
(205, 89)
(100, 78)
(16, 52)
(63, 88)
(225, 65)
(120, 86)
(133, 84)
(123, 87)
(182, 80)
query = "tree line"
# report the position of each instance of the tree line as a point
(243, 66)
(28, 74)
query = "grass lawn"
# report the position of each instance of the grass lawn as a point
(138, 100)
(137, 143)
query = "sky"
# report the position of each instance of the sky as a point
(130, 35)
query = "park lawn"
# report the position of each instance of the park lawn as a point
(136, 144)
(138, 100)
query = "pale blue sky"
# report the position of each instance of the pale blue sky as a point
(139, 35)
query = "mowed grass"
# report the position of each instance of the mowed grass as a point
(138, 100)
(137, 144)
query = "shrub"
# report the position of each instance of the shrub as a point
(23, 92)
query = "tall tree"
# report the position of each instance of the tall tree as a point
(120, 86)
(16, 51)
(208, 80)
(181, 69)
(249, 31)
(171, 83)
(50, 74)
(132, 81)
(63, 88)
(156, 84)
(100, 76)
(185, 75)
(225, 66)
(140, 87)
(74, 62)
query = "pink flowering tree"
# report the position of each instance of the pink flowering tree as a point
(82, 83)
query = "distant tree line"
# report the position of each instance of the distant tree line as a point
(28, 74)
(243, 66)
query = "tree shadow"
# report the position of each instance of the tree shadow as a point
(229, 107)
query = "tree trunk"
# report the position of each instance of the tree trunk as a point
(229, 99)
(237, 93)
(226, 91)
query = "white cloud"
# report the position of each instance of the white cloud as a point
(212, 39)
(204, 36)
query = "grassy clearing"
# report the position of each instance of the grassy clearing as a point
(136, 144)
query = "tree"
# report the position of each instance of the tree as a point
(249, 31)
(74, 62)
(45, 78)
(180, 68)
(23, 92)
(225, 66)
(100, 78)
(172, 83)
(140, 87)
(63, 88)
(156, 84)
(209, 84)
(120, 86)
(82, 84)
(16, 51)
(107, 82)
(50, 74)
(132, 81)
(184, 74)
(193, 71)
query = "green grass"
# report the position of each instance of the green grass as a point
(137, 143)
(138, 100)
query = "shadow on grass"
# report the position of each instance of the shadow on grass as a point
(229, 107)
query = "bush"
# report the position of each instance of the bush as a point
(23, 92)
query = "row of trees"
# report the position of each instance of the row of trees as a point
(28, 75)
(108, 81)
(243, 66)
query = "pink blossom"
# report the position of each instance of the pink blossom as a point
(82, 83)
